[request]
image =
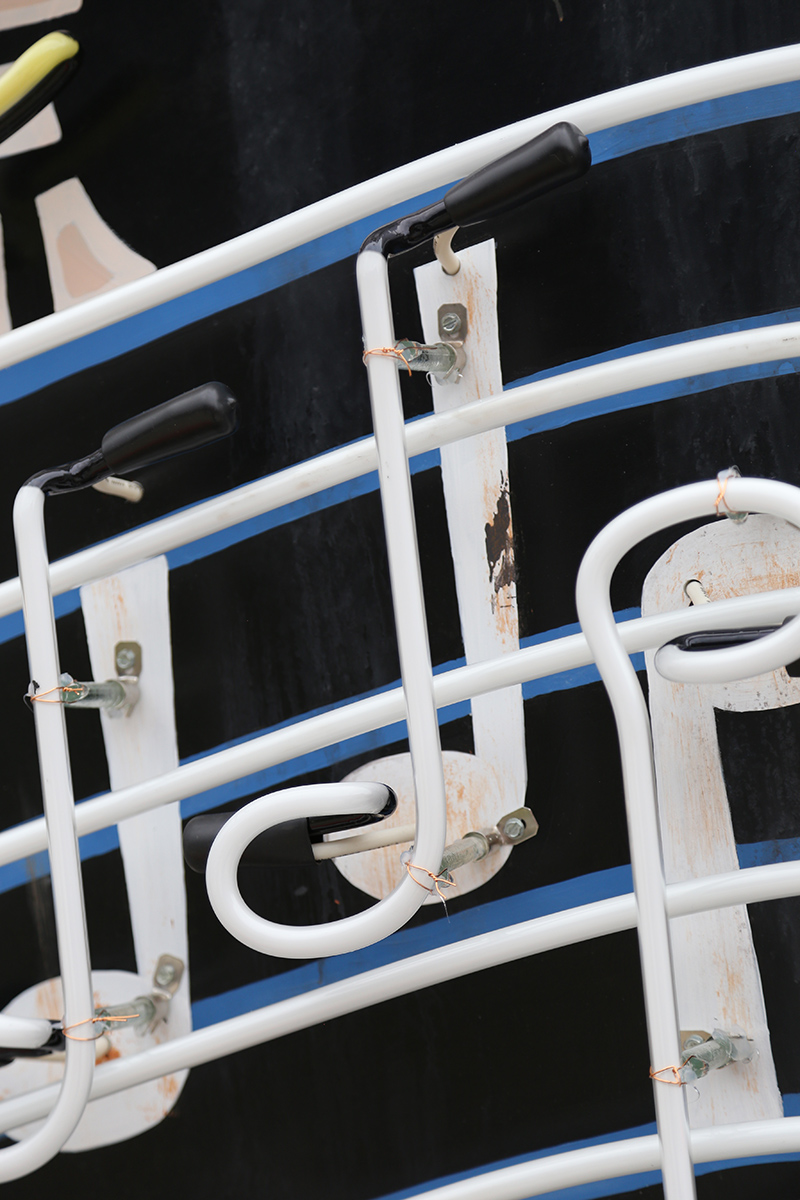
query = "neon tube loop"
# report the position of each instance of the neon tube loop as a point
(767, 653)
(633, 727)
(313, 941)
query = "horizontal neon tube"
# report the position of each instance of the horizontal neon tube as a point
(744, 347)
(428, 969)
(451, 687)
(612, 1159)
(708, 82)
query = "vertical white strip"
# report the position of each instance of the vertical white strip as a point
(483, 786)
(716, 972)
(134, 606)
(478, 500)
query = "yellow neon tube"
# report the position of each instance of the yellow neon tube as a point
(33, 67)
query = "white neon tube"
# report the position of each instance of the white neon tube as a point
(611, 1159)
(770, 882)
(644, 99)
(633, 729)
(65, 868)
(629, 1156)
(534, 662)
(633, 726)
(293, 941)
(743, 348)
(408, 601)
(725, 665)
(769, 78)
(24, 1033)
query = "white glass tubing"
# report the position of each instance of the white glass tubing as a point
(675, 1145)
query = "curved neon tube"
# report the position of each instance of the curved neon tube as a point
(73, 948)
(693, 86)
(34, 65)
(311, 941)
(769, 344)
(633, 726)
(534, 662)
(24, 1033)
(773, 77)
(768, 653)
(479, 953)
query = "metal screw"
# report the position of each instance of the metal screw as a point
(450, 323)
(125, 659)
(514, 828)
(165, 974)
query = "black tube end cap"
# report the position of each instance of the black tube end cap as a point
(197, 418)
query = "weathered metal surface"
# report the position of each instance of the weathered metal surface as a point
(483, 786)
(717, 978)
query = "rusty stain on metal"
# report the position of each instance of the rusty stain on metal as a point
(110, 1054)
(716, 970)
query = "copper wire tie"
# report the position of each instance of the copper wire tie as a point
(674, 1082)
(90, 1021)
(447, 880)
(388, 352)
(60, 687)
(721, 500)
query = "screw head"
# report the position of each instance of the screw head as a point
(165, 974)
(514, 828)
(125, 659)
(450, 323)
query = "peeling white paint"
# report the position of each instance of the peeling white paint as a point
(716, 971)
(481, 787)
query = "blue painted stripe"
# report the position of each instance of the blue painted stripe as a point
(23, 378)
(586, 1191)
(11, 626)
(485, 918)
(606, 1187)
(15, 874)
(488, 918)
(760, 854)
(761, 104)
(103, 344)
(672, 390)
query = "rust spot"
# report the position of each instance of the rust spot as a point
(168, 1086)
(48, 999)
(111, 1054)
